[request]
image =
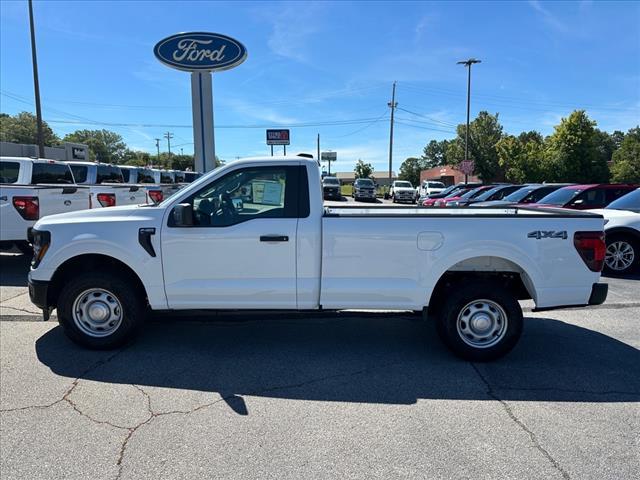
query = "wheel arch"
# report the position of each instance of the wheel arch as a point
(635, 234)
(87, 263)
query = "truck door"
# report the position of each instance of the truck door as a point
(240, 251)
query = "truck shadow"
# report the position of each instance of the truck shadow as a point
(14, 269)
(354, 359)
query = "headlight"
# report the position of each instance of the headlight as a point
(40, 240)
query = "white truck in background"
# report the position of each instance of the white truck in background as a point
(106, 185)
(31, 189)
(254, 235)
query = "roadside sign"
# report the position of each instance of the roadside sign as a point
(329, 156)
(277, 137)
(200, 51)
(467, 167)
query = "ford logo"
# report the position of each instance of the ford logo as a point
(200, 51)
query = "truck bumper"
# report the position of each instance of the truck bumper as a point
(598, 293)
(38, 293)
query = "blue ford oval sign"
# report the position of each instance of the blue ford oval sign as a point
(200, 51)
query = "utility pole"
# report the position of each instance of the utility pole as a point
(158, 148)
(36, 83)
(468, 63)
(181, 151)
(318, 146)
(169, 136)
(393, 104)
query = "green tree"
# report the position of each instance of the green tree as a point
(104, 145)
(435, 154)
(572, 153)
(410, 170)
(136, 157)
(363, 170)
(626, 160)
(520, 157)
(22, 128)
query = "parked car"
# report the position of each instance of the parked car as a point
(496, 193)
(331, 188)
(364, 189)
(402, 191)
(106, 184)
(431, 201)
(449, 190)
(531, 193)
(460, 198)
(622, 230)
(103, 269)
(585, 197)
(430, 187)
(31, 189)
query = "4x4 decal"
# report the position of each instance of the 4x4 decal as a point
(539, 234)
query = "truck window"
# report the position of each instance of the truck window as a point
(179, 177)
(249, 193)
(190, 176)
(53, 173)
(9, 172)
(145, 176)
(79, 173)
(126, 174)
(166, 177)
(109, 174)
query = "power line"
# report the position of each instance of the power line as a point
(433, 120)
(404, 121)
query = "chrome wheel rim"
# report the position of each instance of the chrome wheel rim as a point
(620, 255)
(482, 323)
(97, 312)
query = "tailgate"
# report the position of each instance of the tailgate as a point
(129, 194)
(62, 199)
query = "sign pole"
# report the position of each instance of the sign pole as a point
(272, 150)
(285, 150)
(202, 107)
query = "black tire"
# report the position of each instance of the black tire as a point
(133, 309)
(621, 239)
(460, 301)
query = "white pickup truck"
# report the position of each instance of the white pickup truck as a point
(254, 235)
(31, 189)
(106, 185)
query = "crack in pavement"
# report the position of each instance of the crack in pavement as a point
(534, 439)
(30, 312)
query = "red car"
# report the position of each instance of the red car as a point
(584, 197)
(460, 195)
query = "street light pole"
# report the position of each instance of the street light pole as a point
(468, 63)
(392, 104)
(158, 148)
(36, 83)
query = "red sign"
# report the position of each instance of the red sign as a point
(467, 167)
(277, 137)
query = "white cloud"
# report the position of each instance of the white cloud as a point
(291, 29)
(549, 18)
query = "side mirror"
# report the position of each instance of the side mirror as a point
(183, 215)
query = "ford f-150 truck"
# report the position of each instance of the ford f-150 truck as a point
(31, 189)
(254, 235)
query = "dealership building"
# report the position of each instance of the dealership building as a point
(67, 151)
(449, 175)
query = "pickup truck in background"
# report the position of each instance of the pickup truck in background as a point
(430, 187)
(145, 177)
(402, 191)
(364, 189)
(31, 189)
(106, 184)
(254, 235)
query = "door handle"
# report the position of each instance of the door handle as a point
(274, 238)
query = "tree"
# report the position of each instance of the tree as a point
(435, 154)
(23, 128)
(572, 153)
(520, 157)
(136, 157)
(485, 132)
(410, 170)
(626, 160)
(104, 145)
(363, 170)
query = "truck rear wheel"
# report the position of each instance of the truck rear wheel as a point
(480, 322)
(100, 311)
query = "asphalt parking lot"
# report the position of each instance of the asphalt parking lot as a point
(345, 395)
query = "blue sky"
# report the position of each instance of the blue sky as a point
(318, 63)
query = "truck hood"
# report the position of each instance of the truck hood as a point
(404, 189)
(101, 215)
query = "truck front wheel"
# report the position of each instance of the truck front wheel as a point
(480, 322)
(100, 311)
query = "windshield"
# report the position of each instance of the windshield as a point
(364, 182)
(435, 185)
(9, 172)
(404, 185)
(51, 173)
(331, 181)
(473, 193)
(166, 177)
(145, 176)
(519, 195)
(630, 201)
(449, 189)
(561, 196)
(487, 193)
